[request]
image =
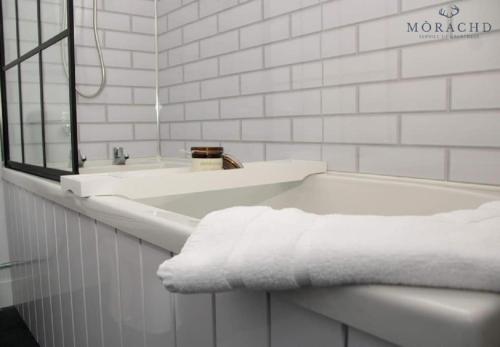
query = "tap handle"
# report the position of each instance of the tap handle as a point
(118, 152)
(81, 159)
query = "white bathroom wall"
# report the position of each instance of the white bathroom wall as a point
(338, 80)
(123, 114)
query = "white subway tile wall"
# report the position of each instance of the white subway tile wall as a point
(125, 111)
(345, 81)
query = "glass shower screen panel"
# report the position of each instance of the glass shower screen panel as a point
(57, 109)
(14, 125)
(28, 25)
(38, 95)
(52, 14)
(32, 112)
(9, 30)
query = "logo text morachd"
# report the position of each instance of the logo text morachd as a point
(449, 26)
(439, 27)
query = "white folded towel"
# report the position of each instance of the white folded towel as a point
(264, 249)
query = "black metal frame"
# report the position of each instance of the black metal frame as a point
(42, 171)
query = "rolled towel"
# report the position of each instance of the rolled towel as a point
(261, 248)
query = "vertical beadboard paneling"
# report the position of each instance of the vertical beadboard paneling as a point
(64, 277)
(12, 232)
(18, 250)
(91, 281)
(30, 229)
(45, 276)
(293, 326)
(32, 215)
(85, 284)
(359, 338)
(11, 236)
(131, 294)
(17, 290)
(24, 257)
(10, 202)
(29, 306)
(76, 278)
(4, 200)
(194, 320)
(22, 266)
(241, 319)
(108, 278)
(18, 297)
(54, 275)
(18, 287)
(38, 265)
(10, 242)
(158, 303)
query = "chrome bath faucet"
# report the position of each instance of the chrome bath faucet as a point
(119, 156)
(81, 159)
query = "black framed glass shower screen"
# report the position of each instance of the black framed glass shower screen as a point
(38, 87)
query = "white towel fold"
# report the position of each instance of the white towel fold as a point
(264, 249)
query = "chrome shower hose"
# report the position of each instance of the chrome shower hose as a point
(99, 53)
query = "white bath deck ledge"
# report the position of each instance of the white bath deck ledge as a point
(175, 181)
(410, 316)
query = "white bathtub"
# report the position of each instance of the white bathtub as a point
(106, 248)
(339, 193)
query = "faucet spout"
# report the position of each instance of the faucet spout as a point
(81, 159)
(119, 156)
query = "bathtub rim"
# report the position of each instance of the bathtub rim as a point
(463, 195)
(168, 229)
(165, 229)
(467, 318)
